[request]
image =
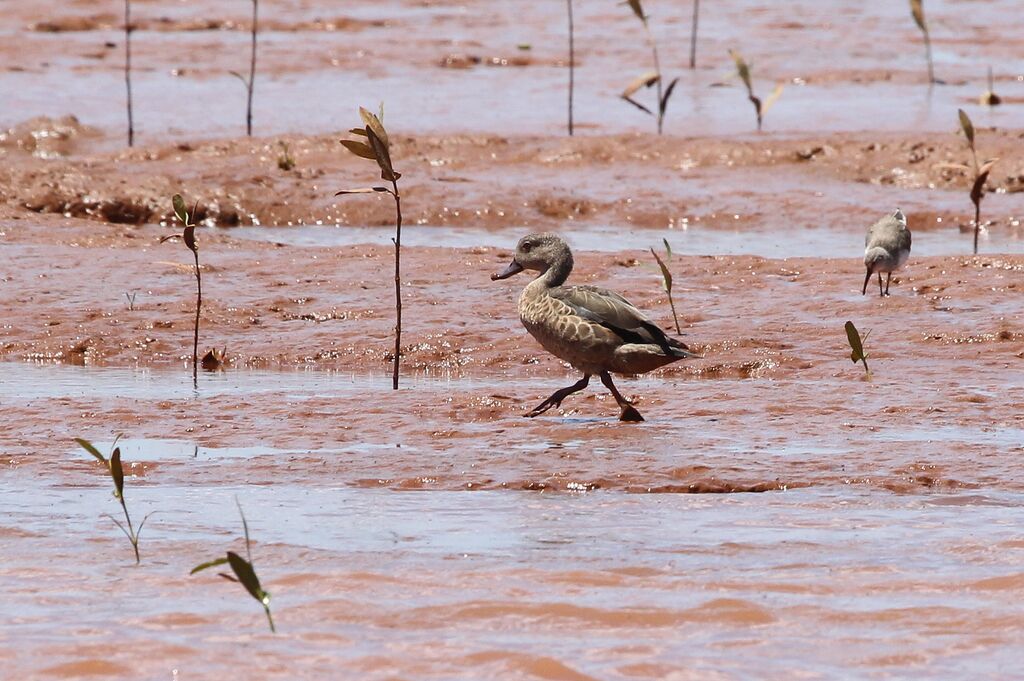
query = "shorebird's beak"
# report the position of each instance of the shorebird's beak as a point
(515, 268)
(866, 280)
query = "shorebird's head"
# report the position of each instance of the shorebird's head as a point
(539, 252)
(899, 217)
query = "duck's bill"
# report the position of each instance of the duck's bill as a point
(513, 268)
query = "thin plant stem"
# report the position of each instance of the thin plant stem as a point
(572, 63)
(977, 225)
(128, 67)
(195, 337)
(132, 537)
(398, 282)
(270, 619)
(928, 53)
(252, 69)
(693, 34)
(657, 70)
(674, 316)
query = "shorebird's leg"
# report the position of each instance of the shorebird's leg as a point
(629, 412)
(556, 399)
(888, 278)
(880, 284)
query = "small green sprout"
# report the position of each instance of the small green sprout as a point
(377, 147)
(650, 78)
(666, 280)
(188, 236)
(284, 160)
(980, 172)
(245, 573)
(116, 471)
(857, 346)
(743, 70)
(917, 10)
(989, 97)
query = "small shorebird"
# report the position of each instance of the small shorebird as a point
(595, 330)
(886, 248)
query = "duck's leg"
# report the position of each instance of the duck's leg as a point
(880, 284)
(556, 399)
(888, 278)
(629, 412)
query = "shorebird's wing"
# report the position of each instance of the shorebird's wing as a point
(615, 313)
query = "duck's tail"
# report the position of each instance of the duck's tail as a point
(672, 347)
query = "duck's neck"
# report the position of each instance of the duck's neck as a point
(558, 272)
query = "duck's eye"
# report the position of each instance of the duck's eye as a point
(527, 246)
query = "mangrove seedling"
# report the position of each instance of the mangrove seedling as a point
(989, 97)
(572, 63)
(251, 80)
(188, 236)
(666, 280)
(693, 34)
(377, 147)
(743, 70)
(116, 471)
(284, 160)
(980, 172)
(245, 573)
(130, 297)
(128, 68)
(917, 10)
(857, 346)
(650, 78)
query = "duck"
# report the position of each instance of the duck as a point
(597, 331)
(886, 249)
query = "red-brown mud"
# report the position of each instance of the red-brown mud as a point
(779, 513)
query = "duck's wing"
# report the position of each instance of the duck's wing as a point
(615, 313)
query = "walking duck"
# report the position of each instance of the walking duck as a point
(595, 330)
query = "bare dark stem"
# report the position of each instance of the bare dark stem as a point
(398, 282)
(693, 35)
(252, 69)
(270, 619)
(195, 337)
(572, 64)
(674, 317)
(132, 537)
(128, 67)
(928, 53)
(977, 225)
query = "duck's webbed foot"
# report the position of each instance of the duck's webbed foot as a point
(629, 412)
(556, 399)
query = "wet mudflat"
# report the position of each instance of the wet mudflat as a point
(778, 514)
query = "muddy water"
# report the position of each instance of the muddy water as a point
(777, 515)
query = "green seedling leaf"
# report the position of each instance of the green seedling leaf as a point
(363, 190)
(179, 209)
(978, 189)
(208, 564)
(917, 9)
(239, 76)
(742, 69)
(189, 235)
(380, 113)
(380, 152)
(638, 105)
(668, 249)
(646, 80)
(247, 576)
(373, 123)
(359, 149)
(117, 473)
(855, 344)
(88, 446)
(638, 9)
(358, 131)
(968, 127)
(668, 93)
(771, 99)
(666, 276)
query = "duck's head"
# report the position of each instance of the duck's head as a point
(539, 252)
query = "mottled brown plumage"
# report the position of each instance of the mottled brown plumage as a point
(595, 330)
